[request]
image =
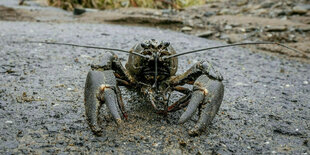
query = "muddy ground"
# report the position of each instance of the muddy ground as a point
(265, 108)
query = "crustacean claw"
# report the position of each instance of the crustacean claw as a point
(100, 88)
(207, 97)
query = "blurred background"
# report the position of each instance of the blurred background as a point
(231, 21)
(113, 4)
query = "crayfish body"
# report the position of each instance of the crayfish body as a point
(151, 68)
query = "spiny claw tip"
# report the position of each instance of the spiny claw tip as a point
(181, 120)
(119, 121)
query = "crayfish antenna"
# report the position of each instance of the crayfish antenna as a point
(237, 44)
(84, 46)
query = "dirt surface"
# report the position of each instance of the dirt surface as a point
(265, 108)
(287, 22)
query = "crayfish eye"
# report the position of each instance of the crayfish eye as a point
(166, 44)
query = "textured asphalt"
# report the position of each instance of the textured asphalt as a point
(265, 108)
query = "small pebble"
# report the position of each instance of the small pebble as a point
(276, 28)
(209, 13)
(186, 28)
(155, 144)
(305, 82)
(182, 143)
(85, 56)
(300, 9)
(205, 34)
(9, 122)
(228, 27)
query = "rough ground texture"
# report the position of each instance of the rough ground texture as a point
(265, 108)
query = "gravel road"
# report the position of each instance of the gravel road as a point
(265, 108)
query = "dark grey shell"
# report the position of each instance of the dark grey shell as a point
(135, 63)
